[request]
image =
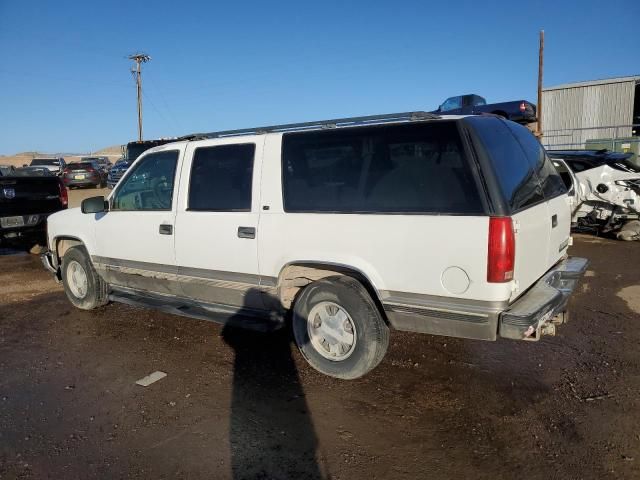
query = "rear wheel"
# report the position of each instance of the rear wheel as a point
(82, 284)
(338, 328)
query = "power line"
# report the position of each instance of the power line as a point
(154, 85)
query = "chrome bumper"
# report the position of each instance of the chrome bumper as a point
(47, 261)
(530, 316)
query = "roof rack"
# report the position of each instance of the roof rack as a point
(318, 125)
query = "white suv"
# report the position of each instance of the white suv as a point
(452, 226)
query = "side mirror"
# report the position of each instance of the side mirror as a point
(94, 205)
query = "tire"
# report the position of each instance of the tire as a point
(360, 324)
(88, 295)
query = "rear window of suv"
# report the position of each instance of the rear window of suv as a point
(408, 168)
(524, 172)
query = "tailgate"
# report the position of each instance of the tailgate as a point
(26, 195)
(532, 245)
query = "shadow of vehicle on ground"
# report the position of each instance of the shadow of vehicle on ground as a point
(271, 431)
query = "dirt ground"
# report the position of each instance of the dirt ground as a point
(238, 405)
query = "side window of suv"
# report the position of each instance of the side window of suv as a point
(149, 185)
(416, 168)
(221, 178)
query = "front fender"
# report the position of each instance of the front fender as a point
(70, 224)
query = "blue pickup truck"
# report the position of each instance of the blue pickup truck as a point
(519, 111)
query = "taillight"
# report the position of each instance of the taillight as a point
(64, 195)
(523, 107)
(66, 170)
(502, 250)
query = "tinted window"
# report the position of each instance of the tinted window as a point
(414, 168)
(514, 172)
(221, 178)
(550, 180)
(149, 186)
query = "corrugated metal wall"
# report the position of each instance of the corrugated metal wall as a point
(588, 106)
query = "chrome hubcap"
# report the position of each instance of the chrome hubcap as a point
(331, 331)
(77, 279)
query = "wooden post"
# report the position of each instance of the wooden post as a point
(540, 75)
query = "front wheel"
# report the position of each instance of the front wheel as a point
(338, 328)
(85, 289)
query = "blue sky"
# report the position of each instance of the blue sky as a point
(65, 84)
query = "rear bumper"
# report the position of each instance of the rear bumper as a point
(48, 262)
(531, 314)
(82, 183)
(35, 226)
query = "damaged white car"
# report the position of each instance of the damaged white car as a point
(604, 193)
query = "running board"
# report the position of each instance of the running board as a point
(249, 319)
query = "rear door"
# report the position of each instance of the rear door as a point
(217, 222)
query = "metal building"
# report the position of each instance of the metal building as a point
(575, 115)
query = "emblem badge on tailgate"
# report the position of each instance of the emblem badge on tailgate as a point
(9, 192)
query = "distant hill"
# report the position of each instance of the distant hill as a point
(114, 150)
(24, 158)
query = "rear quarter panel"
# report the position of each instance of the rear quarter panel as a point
(401, 253)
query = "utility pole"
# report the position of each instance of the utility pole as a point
(139, 58)
(540, 74)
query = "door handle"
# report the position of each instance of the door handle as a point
(165, 229)
(554, 221)
(246, 232)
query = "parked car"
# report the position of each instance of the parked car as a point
(27, 197)
(132, 151)
(54, 165)
(6, 170)
(103, 162)
(117, 171)
(453, 226)
(84, 174)
(604, 192)
(580, 160)
(520, 111)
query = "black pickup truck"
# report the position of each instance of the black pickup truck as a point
(519, 111)
(27, 198)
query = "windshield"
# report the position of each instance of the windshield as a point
(452, 103)
(45, 161)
